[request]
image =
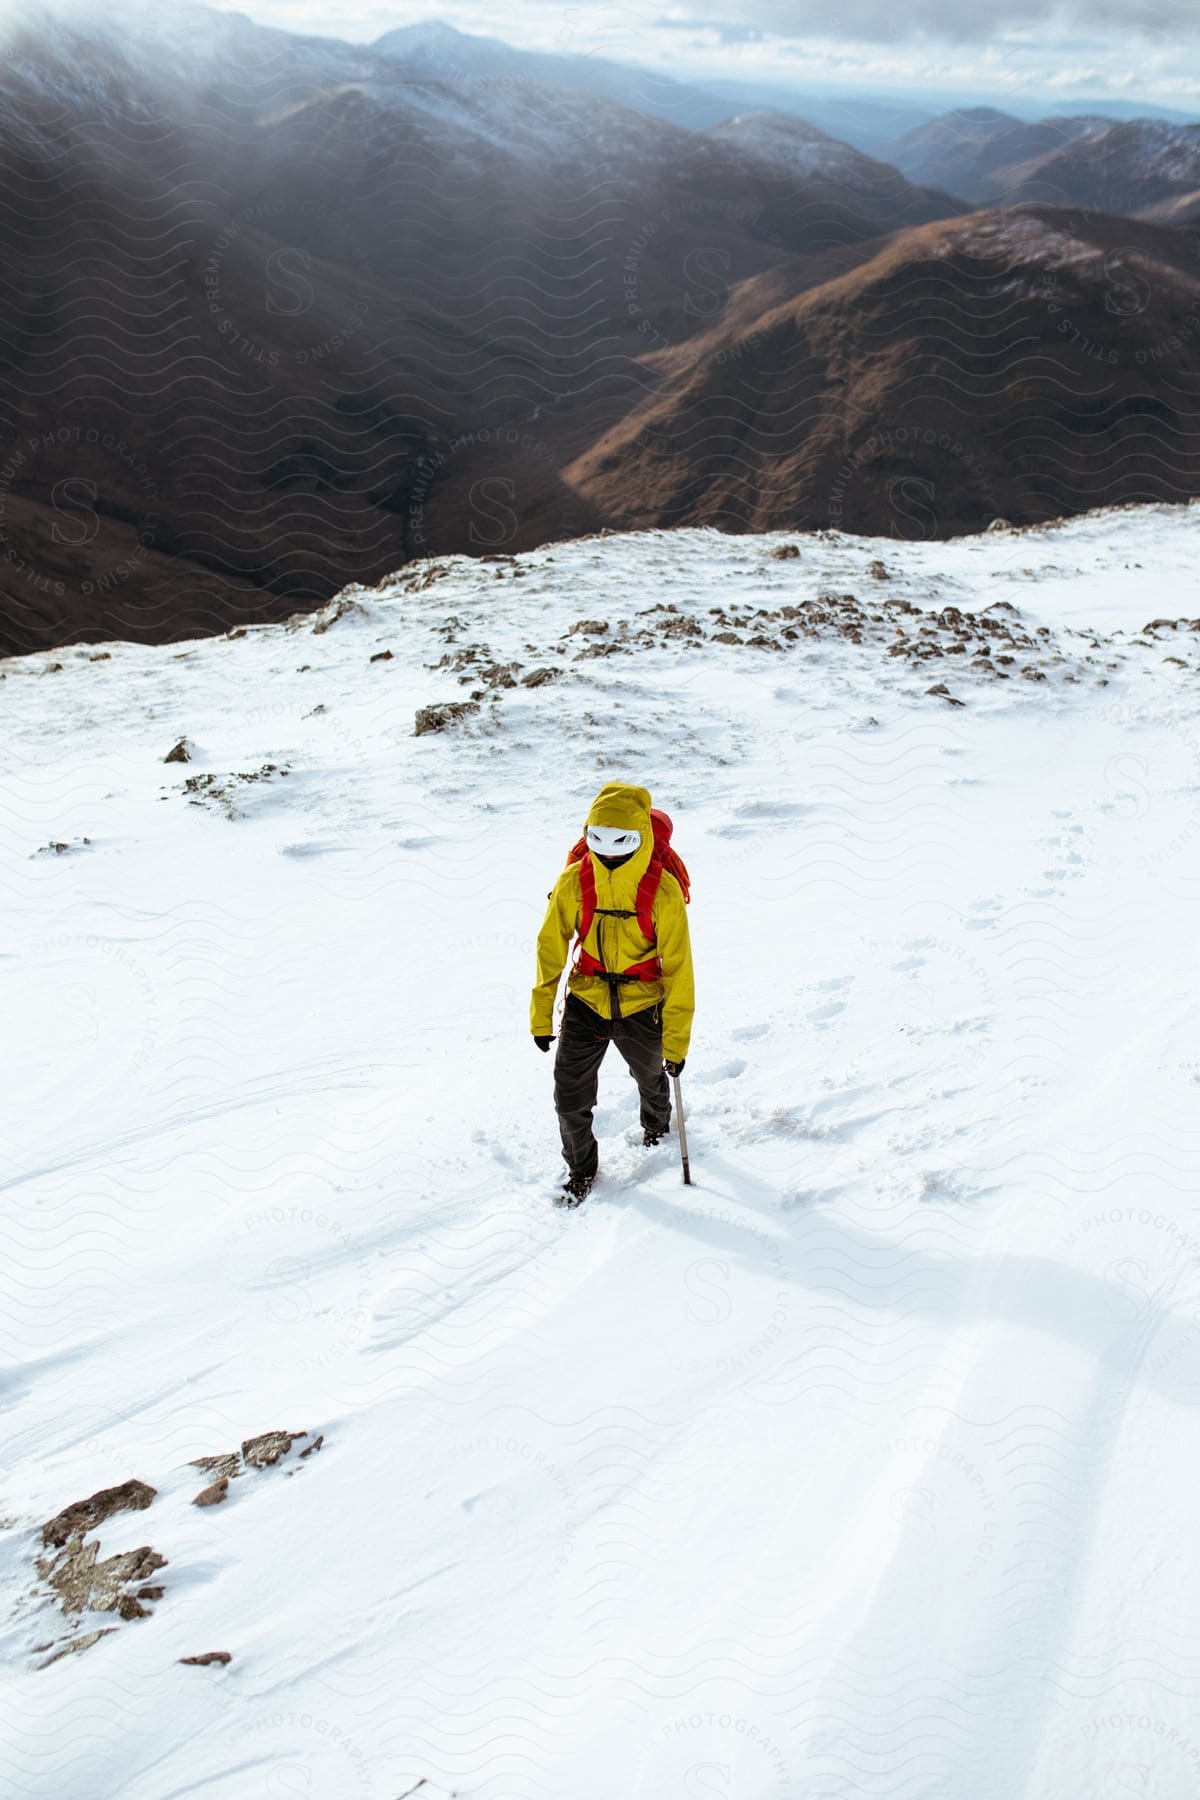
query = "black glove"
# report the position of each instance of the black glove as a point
(675, 1068)
(543, 1043)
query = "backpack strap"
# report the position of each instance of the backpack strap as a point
(586, 964)
(646, 895)
(587, 895)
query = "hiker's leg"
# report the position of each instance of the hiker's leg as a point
(639, 1039)
(582, 1040)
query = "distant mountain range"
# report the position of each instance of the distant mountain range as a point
(1149, 167)
(869, 121)
(279, 313)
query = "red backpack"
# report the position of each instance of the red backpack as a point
(661, 857)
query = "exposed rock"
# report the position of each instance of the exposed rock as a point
(261, 1452)
(213, 1496)
(782, 552)
(594, 650)
(84, 1515)
(539, 677)
(74, 1645)
(382, 656)
(208, 1656)
(84, 1583)
(331, 613)
(56, 847)
(1001, 525)
(437, 718)
(943, 693)
(593, 627)
(423, 575)
(181, 753)
(227, 1465)
(498, 675)
(220, 789)
(878, 571)
(467, 656)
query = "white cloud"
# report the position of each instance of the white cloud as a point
(1064, 49)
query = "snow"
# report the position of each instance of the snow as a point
(1025, 236)
(801, 148)
(1161, 151)
(865, 1466)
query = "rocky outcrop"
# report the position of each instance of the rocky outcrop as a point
(80, 1581)
(84, 1515)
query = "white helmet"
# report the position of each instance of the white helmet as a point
(612, 840)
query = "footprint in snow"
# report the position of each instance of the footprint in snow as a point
(313, 848)
(758, 815)
(744, 1032)
(822, 1014)
(722, 1072)
(986, 913)
(498, 1151)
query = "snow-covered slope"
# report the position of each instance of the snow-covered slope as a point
(803, 149)
(865, 1466)
(808, 154)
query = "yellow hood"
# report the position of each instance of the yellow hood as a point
(625, 808)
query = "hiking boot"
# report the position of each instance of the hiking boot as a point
(650, 1138)
(575, 1189)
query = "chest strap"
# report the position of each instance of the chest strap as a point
(585, 964)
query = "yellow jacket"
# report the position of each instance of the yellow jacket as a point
(618, 943)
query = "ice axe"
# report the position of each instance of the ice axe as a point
(687, 1173)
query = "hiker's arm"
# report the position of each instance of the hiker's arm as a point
(675, 954)
(553, 946)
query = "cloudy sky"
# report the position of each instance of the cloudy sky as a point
(1128, 49)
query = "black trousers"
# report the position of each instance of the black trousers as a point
(582, 1042)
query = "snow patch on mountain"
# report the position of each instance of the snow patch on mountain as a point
(864, 1465)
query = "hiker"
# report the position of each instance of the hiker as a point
(623, 895)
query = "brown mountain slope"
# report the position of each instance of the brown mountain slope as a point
(285, 314)
(1133, 167)
(1183, 209)
(993, 174)
(1019, 364)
